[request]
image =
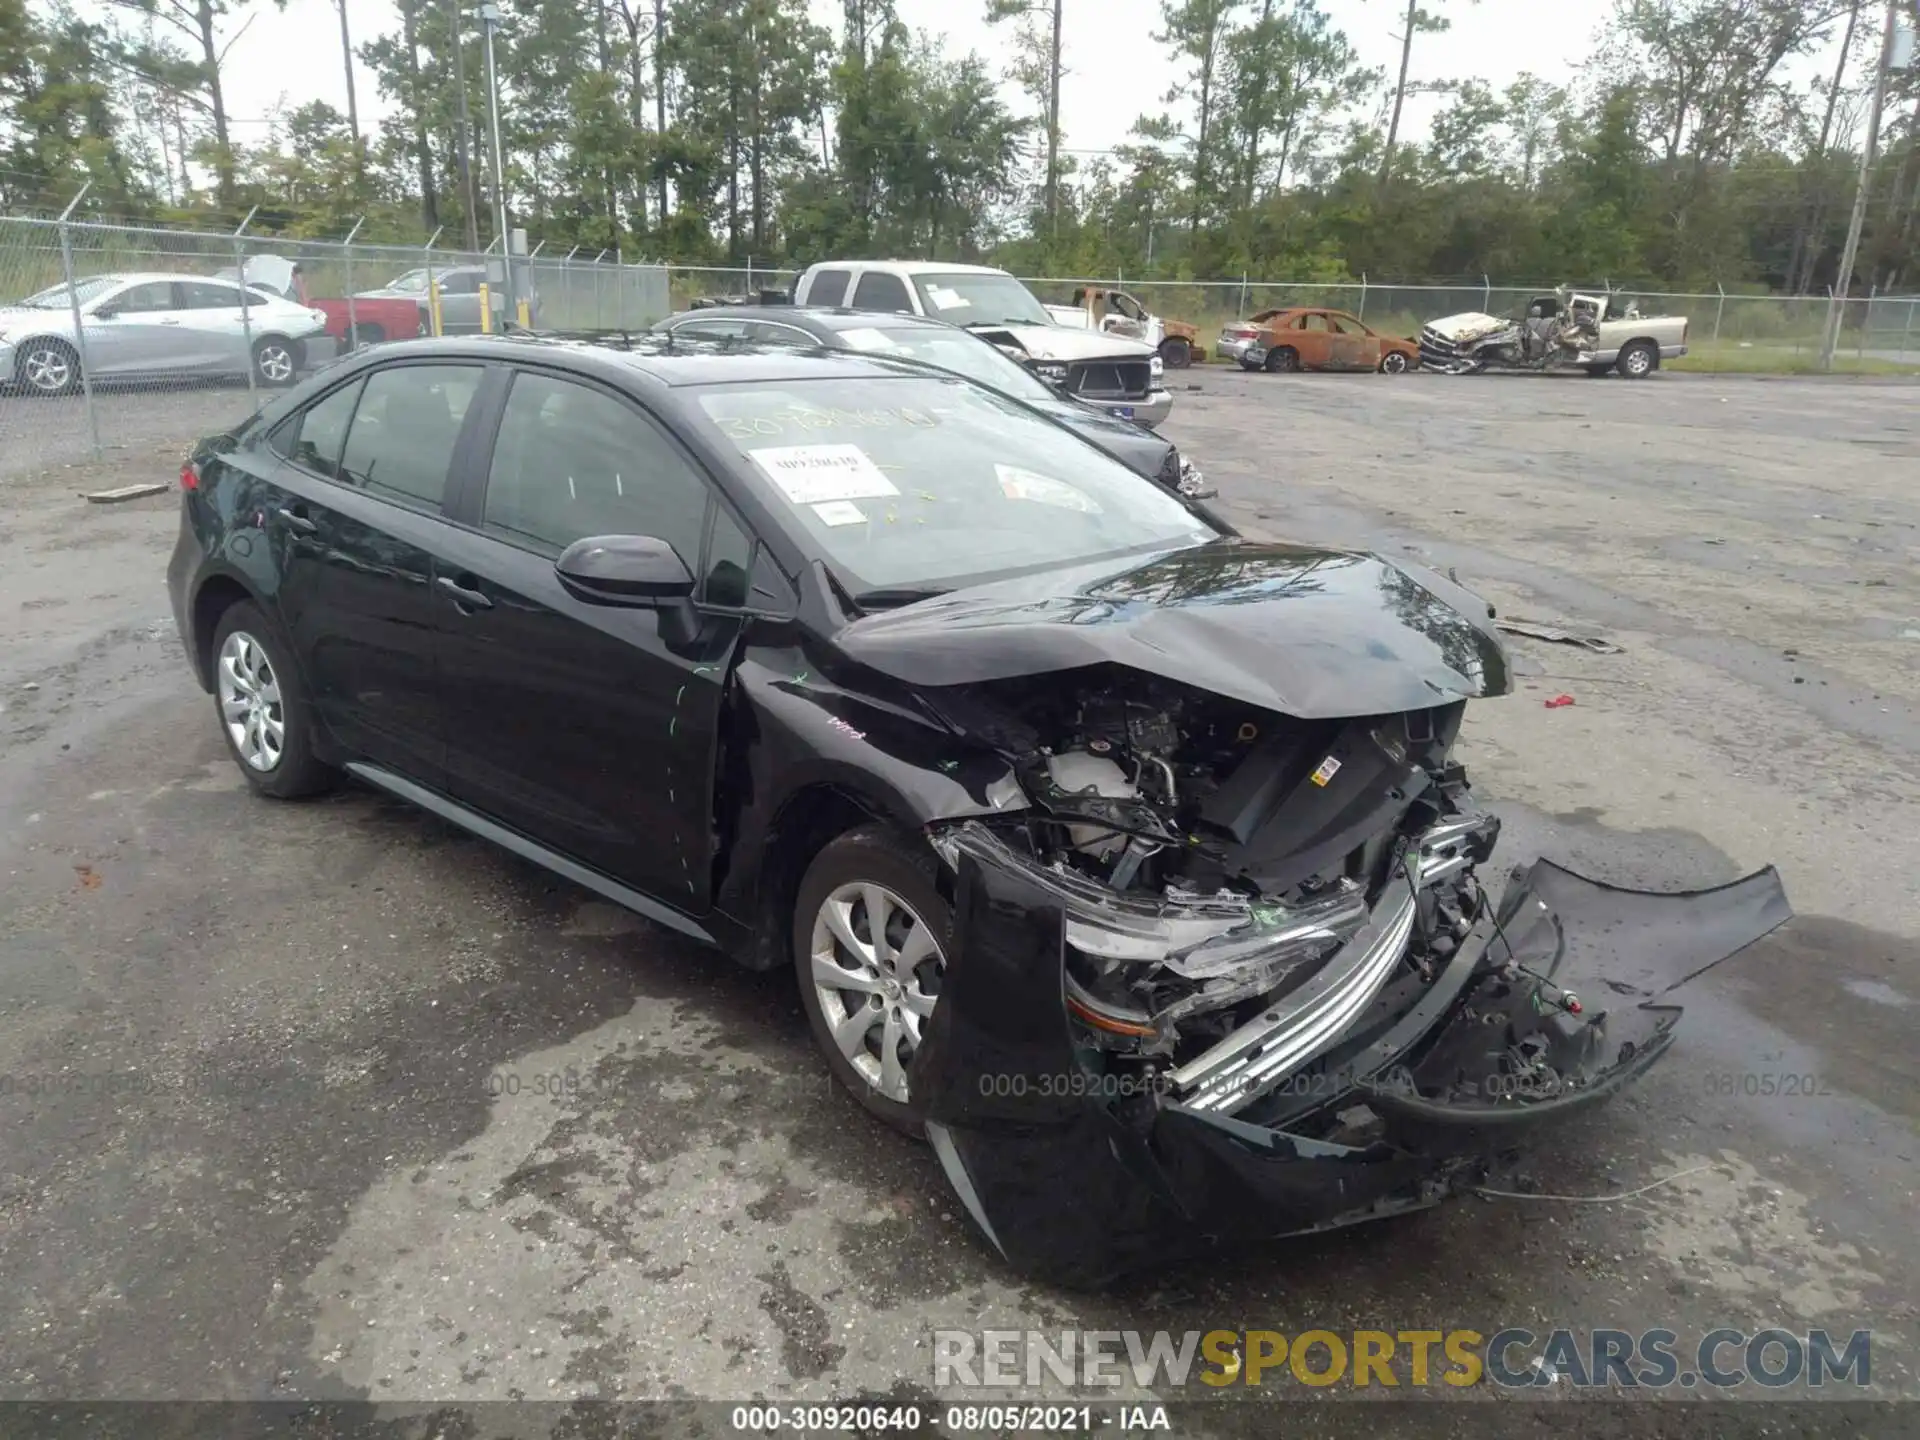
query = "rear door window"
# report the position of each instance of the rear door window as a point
(400, 445)
(879, 290)
(829, 287)
(314, 438)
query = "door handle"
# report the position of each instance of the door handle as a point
(464, 597)
(293, 519)
(169, 322)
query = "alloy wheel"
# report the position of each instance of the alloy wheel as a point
(250, 704)
(1637, 361)
(876, 972)
(1395, 363)
(47, 369)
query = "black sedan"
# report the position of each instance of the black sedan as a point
(1123, 858)
(949, 348)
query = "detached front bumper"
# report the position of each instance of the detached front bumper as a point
(1413, 1087)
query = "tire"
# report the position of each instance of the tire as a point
(1394, 363)
(1638, 360)
(276, 362)
(1283, 361)
(47, 367)
(1248, 365)
(361, 335)
(900, 869)
(250, 662)
(1176, 354)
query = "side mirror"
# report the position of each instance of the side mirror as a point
(105, 312)
(632, 570)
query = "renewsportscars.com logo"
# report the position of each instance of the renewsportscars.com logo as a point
(1004, 1360)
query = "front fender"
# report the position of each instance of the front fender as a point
(791, 730)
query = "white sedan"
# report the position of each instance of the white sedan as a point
(152, 326)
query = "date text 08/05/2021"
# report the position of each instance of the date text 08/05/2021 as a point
(993, 1419)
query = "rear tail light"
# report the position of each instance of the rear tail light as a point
(189, 476)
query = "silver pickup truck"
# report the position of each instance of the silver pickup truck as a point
(1563, 331)
(1109, 372)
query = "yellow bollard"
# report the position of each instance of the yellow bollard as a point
(526, 316)
(433, 305)
(486, 310)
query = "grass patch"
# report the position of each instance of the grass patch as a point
(1731, 357)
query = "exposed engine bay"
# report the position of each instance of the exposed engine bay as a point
(1208, 864)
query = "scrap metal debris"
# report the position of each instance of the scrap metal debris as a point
(1540, 630)
(125, 492)
(1559, 702)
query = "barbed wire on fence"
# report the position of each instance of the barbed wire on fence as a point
(59, 402)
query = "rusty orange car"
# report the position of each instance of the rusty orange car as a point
(1306, 339)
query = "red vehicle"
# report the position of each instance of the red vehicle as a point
(370, 320)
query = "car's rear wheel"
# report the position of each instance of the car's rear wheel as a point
(263, 712)
(1394, 363)
(1283, 361)
(47, 367)
(871, 936)
(1176, 353)
(1638, 360)
(275, 361)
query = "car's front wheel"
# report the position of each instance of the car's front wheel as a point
(871, 936)
(263, 714)
(47, 367)
(1394, 362)
(1176, 353)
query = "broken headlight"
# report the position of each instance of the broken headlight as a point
(1136, 964)
(1054, 372)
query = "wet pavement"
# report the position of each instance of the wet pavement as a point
(329, 1100)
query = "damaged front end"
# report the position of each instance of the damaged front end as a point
(1232, 974)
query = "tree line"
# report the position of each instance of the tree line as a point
(1692, 142)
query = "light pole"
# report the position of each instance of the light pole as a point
(490, 18)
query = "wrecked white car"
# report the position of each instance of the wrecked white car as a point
(1562, 331)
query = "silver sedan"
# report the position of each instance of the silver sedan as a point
(153, 326)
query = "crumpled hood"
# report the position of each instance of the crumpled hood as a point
(1317, 634)
(1060, 342)
(1470, 325)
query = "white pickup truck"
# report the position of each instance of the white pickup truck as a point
(1108, 372)
(1562, 331)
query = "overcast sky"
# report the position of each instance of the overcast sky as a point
(1115, 70)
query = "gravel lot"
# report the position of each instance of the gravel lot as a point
(274, 1163)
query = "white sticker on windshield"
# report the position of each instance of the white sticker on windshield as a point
(867, 339)
(810, 474)
(945, 299)
(1018, 484)
(840, 512)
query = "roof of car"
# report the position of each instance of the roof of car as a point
(914, 267)
(812, 317)
(663, 360)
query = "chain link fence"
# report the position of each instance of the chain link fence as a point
(123, 336)
(141, 335)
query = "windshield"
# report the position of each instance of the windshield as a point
(953, 350)
(918, 483)
(57, 298)
(983, 299)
